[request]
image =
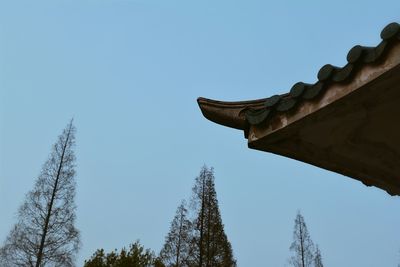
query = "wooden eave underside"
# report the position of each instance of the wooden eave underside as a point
(352, 127)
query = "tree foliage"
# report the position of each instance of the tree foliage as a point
(45, 233)
(210, 243)
(302, 246)
(200, 240)
(135, 256)
(318, 258)
(177, 248)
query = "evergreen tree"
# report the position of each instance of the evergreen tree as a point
(318, 258)
(176, 250)
(302, 245)
(45, 233)
(136, 256)
(210, 245)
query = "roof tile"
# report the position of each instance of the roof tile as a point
(357, 57)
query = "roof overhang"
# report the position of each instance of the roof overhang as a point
(347, 122)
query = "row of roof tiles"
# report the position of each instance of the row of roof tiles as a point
(357, 57)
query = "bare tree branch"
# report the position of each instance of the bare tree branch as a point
(45, 233)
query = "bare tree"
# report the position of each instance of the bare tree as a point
(176, 250)
(318, 258)
(302, 245)
(45, 234)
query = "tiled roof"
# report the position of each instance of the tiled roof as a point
(357, 57)
(345, 122)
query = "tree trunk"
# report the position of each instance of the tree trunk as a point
(302, 246)
(208, 229)
(202, 222)
(178, 249)
(47, 220)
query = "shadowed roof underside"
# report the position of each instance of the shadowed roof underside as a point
(346, 122)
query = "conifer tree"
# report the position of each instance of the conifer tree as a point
(210, 243)
(135, 256)
(318, 258)
(176, 250)
(45, 233)
(302, 245)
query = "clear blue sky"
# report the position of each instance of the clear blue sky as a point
(129, 72)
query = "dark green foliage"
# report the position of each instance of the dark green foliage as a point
(193, 241)
(158, 263)
(136, 256)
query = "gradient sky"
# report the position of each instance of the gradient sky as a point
(129, 72)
